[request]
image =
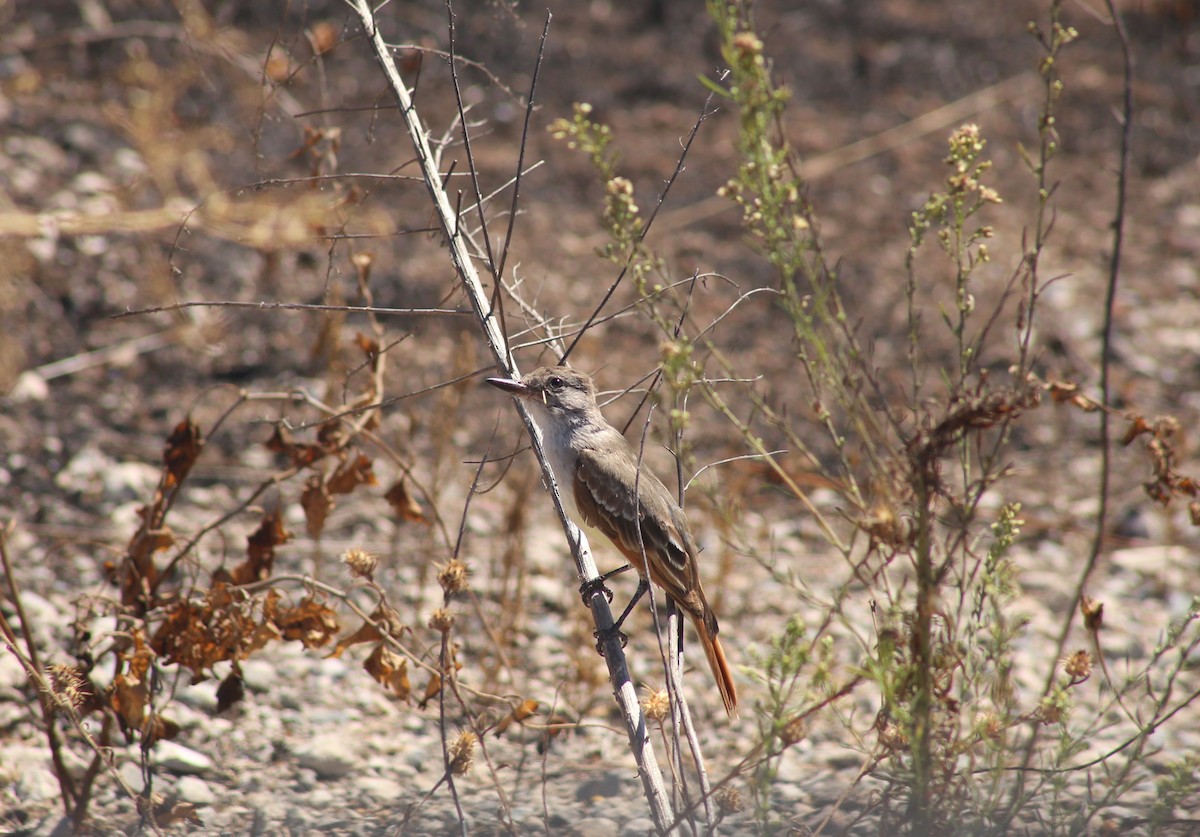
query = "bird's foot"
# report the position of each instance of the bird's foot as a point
(602, 637)
(596, 585)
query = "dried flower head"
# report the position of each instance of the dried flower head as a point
(793, 731)
(362, 564)
(462, 753)
(1093, 613)
(66, 684)
(441, 620)
(747, 43)
(730, 800)
(891, 737)
(453, 577)
(656, 705)
(1078, 666)
(1053, 709)
(988, 725)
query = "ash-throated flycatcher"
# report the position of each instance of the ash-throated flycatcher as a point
(598, 474)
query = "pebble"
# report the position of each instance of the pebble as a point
(599, 787)
(595, 827)
(639, 827)
(30, 386)
(259, 675)
(125, 482)
(35, 779)
(329, 756)
(176, 758)
(195, 790)
(381, 789)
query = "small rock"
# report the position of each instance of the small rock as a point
(640, 827)
(30, 386)
(595, 827)
(131, 772)
(194, 790)
(1149, 560)
(84, 471)
(12, 673)
(176, 758)
(128, 481)
(329, 756)
(381, 789)
(600, 787)
(202, 696)
(259, 676)
(37, 782)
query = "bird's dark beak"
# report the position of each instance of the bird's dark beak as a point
(510, 386)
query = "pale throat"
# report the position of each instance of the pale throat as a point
(563, 434)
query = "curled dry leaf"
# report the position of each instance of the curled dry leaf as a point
(317, 502)
(160, 728)
(173, 812)
(369, 347)
(431, 689)
(403, 503)
(231, 691)
(130, 697)
(197, 635)
(260, 550)
(310, 622)
(365, 633)
(390, 670)
(350, 474)
(300, 454)
(518, 715)
(1137, 426)
(333, 435)
(183, 449)
(383, 620)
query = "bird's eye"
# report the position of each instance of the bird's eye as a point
(556, 382)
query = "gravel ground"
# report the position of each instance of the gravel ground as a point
(317, 747)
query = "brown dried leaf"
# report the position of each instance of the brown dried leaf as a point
(389, 669)
(519, 713)
(1062, 391)
(160, 729)
(130, 697)
(174, 812)
(369, 347)
(317, 503)
(281, 440)
(333, 435)
(403, 503)
(231, 691)
(300, 454)
(310, 622)
(431, 689)
(140, 658)
(351, 474)
(1137, 426)
(183, 449)
(260, 550)
(365, 633)
(262, 634)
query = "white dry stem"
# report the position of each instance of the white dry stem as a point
(456, 240)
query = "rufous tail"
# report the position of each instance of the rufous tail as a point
(719, 666)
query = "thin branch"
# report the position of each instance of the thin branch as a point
(293, 306)
(457, 246)
(705, 112)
